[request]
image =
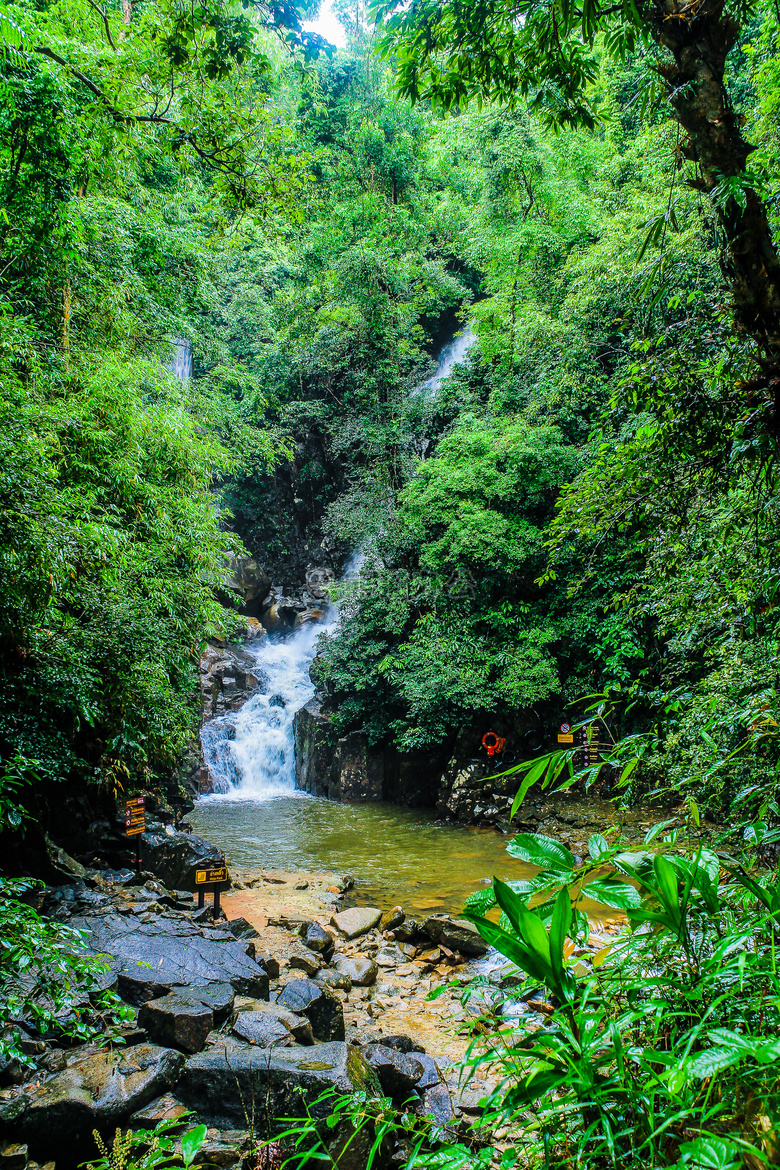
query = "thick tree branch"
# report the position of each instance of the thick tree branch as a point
(699, 37)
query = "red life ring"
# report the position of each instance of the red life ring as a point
(495, 746)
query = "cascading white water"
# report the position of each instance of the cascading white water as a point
(449, 357)
(181, 363)
(251, 752)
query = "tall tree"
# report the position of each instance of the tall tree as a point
(499, 49)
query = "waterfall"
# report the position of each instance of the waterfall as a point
(181, 363)
(251, 752)
(449, 357)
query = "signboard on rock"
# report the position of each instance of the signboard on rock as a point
(211, 877)
(215, 878)
(135, 816)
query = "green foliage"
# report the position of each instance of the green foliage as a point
(110, 555)
(145, 1149)
(662, 1048)
(47, 979)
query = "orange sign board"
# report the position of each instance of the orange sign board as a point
(135, 816)
(211, 877)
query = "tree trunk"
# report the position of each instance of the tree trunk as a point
(699, 35)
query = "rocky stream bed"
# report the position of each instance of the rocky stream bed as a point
(247, 1020)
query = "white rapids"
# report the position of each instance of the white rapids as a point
(450, 356)
(251, 753)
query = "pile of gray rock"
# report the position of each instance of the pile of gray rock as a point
(218, 1028)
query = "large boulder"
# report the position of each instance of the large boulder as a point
(321, 1007)
(356, 921)
(455, 933)
(262, 1029)
(153, 958)
(316, 938)
(298, 1026)
(250, 581)
(282, 1082)
(97, 1091)
(398, 1073)
(177, 1022)
(175, 857)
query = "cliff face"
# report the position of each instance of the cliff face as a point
(351, 769)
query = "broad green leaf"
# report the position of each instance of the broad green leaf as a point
(667, 887)
(527, 925)
(543, 851)
(628, 769)
(535, 773)
(712, 1061)
(711, 1153)
(512, 947)
(618, 895)
(597, 846)
(559, 930)
(480, 901)
(191, 1143)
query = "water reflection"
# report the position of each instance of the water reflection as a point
(394, 854)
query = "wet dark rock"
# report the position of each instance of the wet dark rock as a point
(269, 964)
(220, 997)
(437, 1103)
(401, 1043)
(455, 933)
(409, 931)
(318, 1004)
(177, 1022)
(14, 1157)
(301, 959)
(398, 1074)
(362, 971)
(13, 1104)
(330, 977)
(97, 1091)
(431, 1074)
(356, 920)
(150, 958)
(284, 1082)
(218, 1153)
(316, 938)
(262, 1029)
(394, 918)
(243, 929)
(174, 857)
(204, 915)
(165, 1108)
(118, 877)
(298, 1026)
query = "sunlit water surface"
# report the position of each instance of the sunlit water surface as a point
(395, 855)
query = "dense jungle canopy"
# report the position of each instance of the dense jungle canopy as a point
(588, 505)
(582, 517)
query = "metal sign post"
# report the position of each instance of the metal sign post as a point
(216, 880)
(135, 824)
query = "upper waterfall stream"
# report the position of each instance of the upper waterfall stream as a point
(261, 819)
